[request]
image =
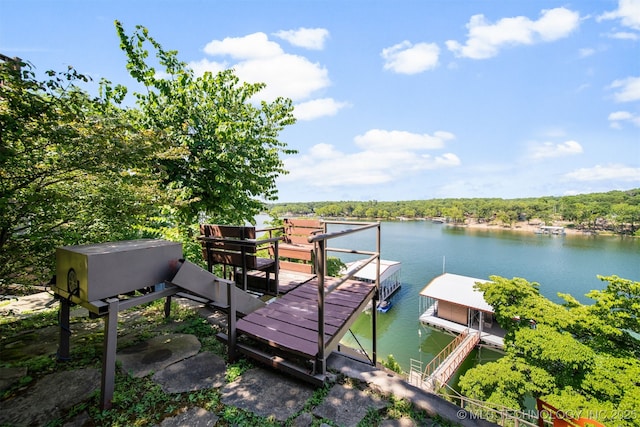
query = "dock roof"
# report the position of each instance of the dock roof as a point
(387, 269)
(458, 290)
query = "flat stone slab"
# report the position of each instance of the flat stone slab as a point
(267, 394)
(49, 396)
(157, 353)
(346, 405)
(194, 417)
(202, 371)
(27, 304)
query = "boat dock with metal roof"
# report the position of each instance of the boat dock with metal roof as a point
(451, 303)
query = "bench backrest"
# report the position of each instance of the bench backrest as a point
(297, 231)
(296, 254)
(230, 245)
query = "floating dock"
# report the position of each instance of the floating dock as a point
(389, 278)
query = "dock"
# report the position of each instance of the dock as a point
(451, 303)
(440, 370)
(550, 229)
(490, 336)
(389, 277)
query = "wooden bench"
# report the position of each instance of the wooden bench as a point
(295, 251)
(236, 248)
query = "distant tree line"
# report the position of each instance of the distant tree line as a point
(614, 211)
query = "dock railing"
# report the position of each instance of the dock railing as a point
(320, 242)
(444, 353)
(498, 414)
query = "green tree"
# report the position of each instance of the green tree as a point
(232, 154)
(73, 169)
(576, 357)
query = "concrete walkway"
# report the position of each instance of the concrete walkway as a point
(175, 362)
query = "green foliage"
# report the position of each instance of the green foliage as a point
(576, 357)
(334, 266)
(618, 303)
(78, 169)
(73, 169)
(392, 364)
(235, 370)
(230, 148)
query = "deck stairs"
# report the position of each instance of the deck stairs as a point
(440, 370)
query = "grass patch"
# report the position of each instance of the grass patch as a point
(235, 370)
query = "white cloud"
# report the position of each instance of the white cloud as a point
(291, 76)
(617, 118)
(256, 45)
(384, 140)
(548, 150)
(485, 39)
(624, 35)
(384, 156)
(316, 108)
(204, 65)
(261, 60)
(586, 52)
(605, 173)
(628, 12)
(407, 58)
(629, 89)
(309, 38)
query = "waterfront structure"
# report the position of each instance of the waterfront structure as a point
(550, 229)
(389, 278)
(451, 303)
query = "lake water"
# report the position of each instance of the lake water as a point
(567, 264)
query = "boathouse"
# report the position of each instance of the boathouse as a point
(389, 275)
(451, 303)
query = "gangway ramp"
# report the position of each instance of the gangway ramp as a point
(440, 370)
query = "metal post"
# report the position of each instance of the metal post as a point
(320, 359)
(109, 354)
(231, 341)
(167, 307)
(374, 308)
(65, 330)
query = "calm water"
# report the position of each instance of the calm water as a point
(567, 264)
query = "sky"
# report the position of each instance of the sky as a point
(394, 100)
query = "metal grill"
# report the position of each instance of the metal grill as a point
(89, 273)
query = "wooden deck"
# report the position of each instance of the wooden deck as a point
(290, 323)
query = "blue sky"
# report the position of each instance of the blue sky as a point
(396, 100)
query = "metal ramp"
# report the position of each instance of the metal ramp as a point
(440, 370)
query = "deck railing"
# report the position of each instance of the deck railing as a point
(320, 242)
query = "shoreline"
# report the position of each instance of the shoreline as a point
(521, 227)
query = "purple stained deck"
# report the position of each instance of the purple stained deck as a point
(290, 323)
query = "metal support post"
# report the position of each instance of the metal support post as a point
(231, 341)
(374, 308)
(320, 359)
(65, 330)
(109, 354)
